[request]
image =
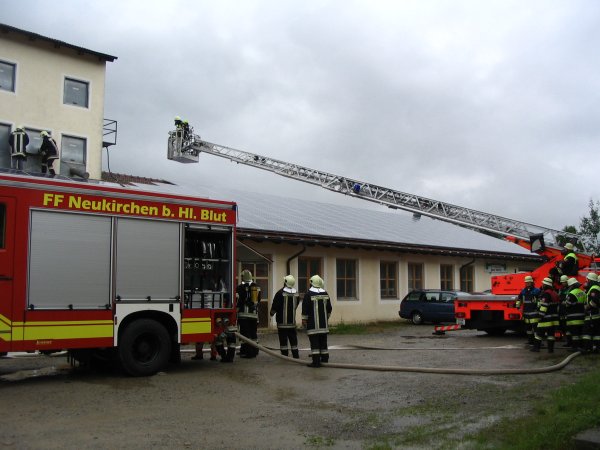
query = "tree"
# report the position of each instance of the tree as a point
(589, 228)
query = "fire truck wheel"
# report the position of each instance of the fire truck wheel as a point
(416, 318)
(144, 348)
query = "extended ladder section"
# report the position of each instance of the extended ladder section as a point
(187, 149)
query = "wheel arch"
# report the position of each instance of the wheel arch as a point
(163, 318)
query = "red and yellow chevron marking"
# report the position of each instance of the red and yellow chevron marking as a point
(55, 329)
(196, 325)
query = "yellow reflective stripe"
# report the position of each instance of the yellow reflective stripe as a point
(68, 330)
(195, 325)
(63, 329)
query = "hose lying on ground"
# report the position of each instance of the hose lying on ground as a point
(520, 371)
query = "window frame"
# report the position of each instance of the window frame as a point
(14, 76)
(387, 280)
(304, 273)
(349, 280)
(415, 283)
(66, 90)
(447, 279)
(467, 277)
(63, 145)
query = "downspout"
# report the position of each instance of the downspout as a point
(287, 264)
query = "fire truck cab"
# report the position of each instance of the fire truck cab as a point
(101, 269)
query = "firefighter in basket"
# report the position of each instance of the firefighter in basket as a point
(575, 313)
(548, 316)
(590, 334)
(248, 299)
(569, 265)
(528, 299)
(284, 308)
(316, 309)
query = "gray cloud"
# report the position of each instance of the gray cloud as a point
(491, 105)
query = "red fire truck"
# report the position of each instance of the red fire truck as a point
(102, 269)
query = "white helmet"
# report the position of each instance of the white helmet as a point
(528, 279)
(569, 246)
(572, 282)
(246, 276)
(44, 133)
(547, 281)
(564, 278)
(592, 277)
(289, 281)
(317, 281)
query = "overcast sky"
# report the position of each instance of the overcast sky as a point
(491, 105)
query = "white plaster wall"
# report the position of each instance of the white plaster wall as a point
(38, 98)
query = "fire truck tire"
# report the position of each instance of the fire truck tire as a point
(416, 317)
(144, 348)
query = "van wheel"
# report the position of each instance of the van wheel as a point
(144, 348)
(416, 318)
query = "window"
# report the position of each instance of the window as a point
(346, 279)
(34, 161)
(388, 282)
(72, 155)
(260, 273)
(415, 276)
(7, 76)
(76, 93)
(307, 267)
(4, 147)
(466, 279)
(2, 224)
(446, 277)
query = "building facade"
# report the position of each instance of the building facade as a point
(50, 85)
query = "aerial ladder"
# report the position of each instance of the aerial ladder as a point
(187, 149)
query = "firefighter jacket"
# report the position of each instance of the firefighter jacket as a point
(316, 309)
(593, 303)
(548, 309)
(18, 142)
(575, 307)
(569, 265)
(284, 307)
(528, 298)
(248, 298)
(48, 150)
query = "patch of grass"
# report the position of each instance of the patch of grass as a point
(365, 328)
(319, 441)
(554, 419)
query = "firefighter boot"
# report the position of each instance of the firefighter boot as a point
(295, 353)
(550, 346)
(587, 346)
(536, 346)
(285, 352)
(229, 356)
(569, 342)
(325, 358)
(530, 339)
(316, 361)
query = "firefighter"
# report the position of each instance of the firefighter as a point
(548, 316)
(592, 314)
(562, 296)
(284, 308)
(528, 299)
(575, 312)
(316, 309)
(186, 130)
(569, 265)
(178, 123)
(18, 141)
(248, 299)
(49, 153)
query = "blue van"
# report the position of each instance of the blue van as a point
(429, 305)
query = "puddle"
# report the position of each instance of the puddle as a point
(21, 375)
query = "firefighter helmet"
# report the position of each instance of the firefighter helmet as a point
(177, 119)
(289, 281)
(246, 276)
(564, 278)
(592, 277)
(44, 134)
(572, 282)
(317, 281)
(528, 279)
(547, 281)
(569, 246)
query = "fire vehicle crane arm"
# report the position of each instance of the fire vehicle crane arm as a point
(189, 150)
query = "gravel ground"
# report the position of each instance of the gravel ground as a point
(267, 403)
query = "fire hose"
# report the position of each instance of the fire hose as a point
(380, 368)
